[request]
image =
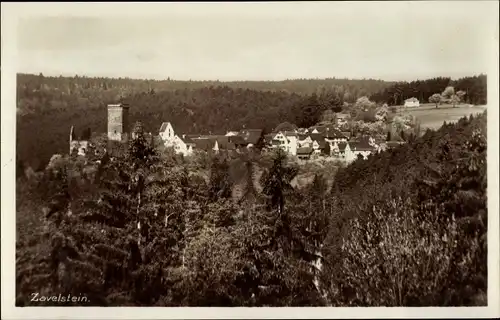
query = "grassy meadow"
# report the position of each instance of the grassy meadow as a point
(433, 118)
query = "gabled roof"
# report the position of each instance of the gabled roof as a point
(317, 137)
(304, 150)
(290, 134)
(237, 140)
(334, 133)
(321, 143)
(164, 126)
(320, 129)
(224, 142)
(187, 140)
(303, 136)
(361, 145)
(204, 144)
(251, 135)
(269, 137)
(342, 146)
(192, 136)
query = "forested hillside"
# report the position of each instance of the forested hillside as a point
(474, 89)
(407, 227)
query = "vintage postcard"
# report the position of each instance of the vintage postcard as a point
(250, 160)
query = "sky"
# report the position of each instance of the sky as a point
(260, 41)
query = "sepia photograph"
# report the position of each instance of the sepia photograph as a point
(267, 155)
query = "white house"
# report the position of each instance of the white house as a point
(291, 142)
(183, 145)
(304, 141)
(287, 141)
(167, 131)
(412, 102)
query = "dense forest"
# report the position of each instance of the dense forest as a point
(48, 106)
(407, 227)
(473, 87)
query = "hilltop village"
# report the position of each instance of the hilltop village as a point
(326, 141)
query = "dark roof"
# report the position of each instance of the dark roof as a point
(342, 146)
(290, 133)
(224, 143)
(393, 144)
(346, 134)
(360, 145)
(237, 140)
(321, 129)
(187, 140)
(269, 137)
(305, 150)
(333, 132)
(317, 137)
(321, 143)
(192, 136)
(164, 126)
(204, 144)
(342, 115)
(303, 136)
(251, 135)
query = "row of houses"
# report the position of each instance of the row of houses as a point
(304, 143)
(186, 144)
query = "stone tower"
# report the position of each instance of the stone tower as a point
(118, 122)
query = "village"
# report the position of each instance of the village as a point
(323, 141)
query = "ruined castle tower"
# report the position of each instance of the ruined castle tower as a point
(118, 122)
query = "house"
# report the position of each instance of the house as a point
(412, 102)
(304, 153)
(252, 137)
(342, 118)
(364, 147)
(286, 140)
(334, 135)
(339, 149)
(167, 131)
(268, 139)
(390, 145)
(223, 143)
(232, 133)
(80, 144)
(291, 138)
(238, 141)
(318, 146)
(304, 140)
(184, 145)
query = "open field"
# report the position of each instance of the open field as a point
(433, 118)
